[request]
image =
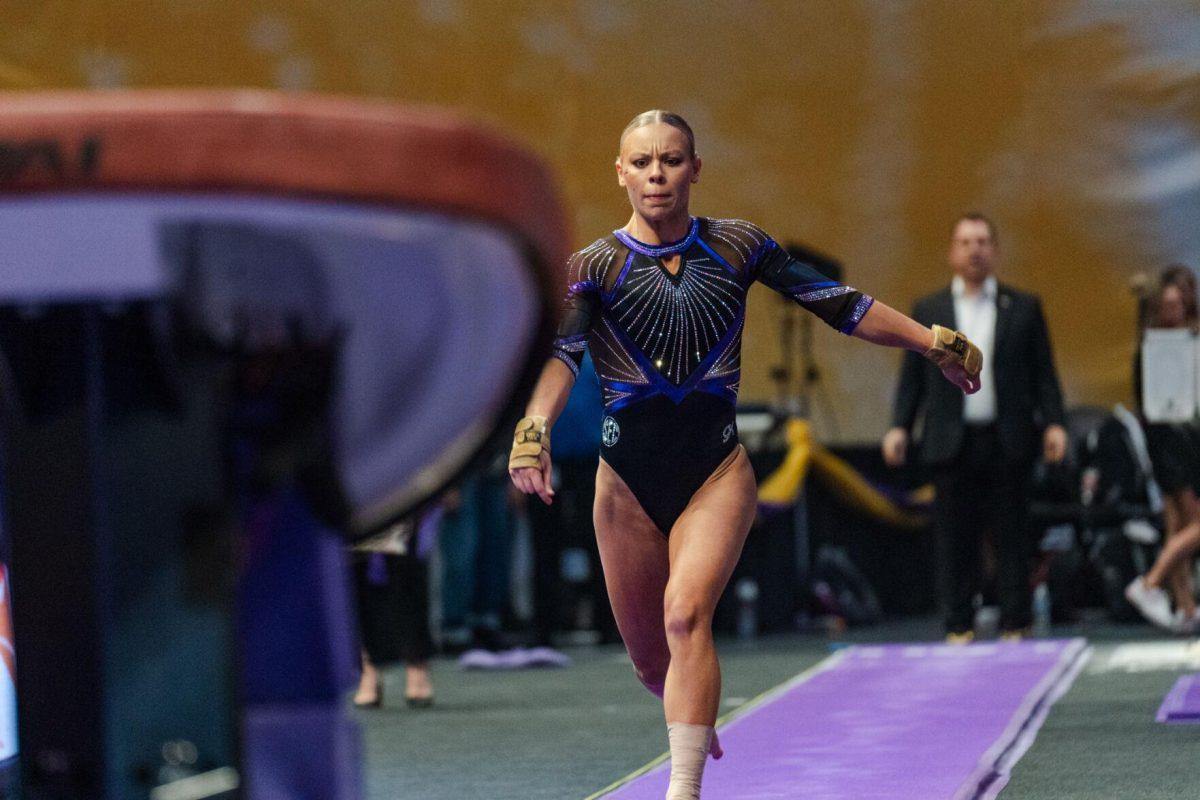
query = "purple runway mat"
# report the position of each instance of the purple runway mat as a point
(1182, 704)
(907, 722)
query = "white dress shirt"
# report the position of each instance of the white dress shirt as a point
(975, 316)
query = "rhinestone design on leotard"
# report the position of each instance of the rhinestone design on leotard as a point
(654, 332)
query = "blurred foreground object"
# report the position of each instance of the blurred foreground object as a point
(234, 328)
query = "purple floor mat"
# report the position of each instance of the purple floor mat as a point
(517, 658)
(1182, 704)
(906, 722)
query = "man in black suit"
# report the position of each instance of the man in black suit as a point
(982, 447)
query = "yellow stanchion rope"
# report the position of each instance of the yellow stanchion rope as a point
(783, 486)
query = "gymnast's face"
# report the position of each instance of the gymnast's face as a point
(972, 251)
(656, 168)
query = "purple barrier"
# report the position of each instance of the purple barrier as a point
(301, 753)
(907, 722)
(1181, 706)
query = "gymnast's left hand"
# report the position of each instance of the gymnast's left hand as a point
(959, 360)
(529, 462)
(961, 378)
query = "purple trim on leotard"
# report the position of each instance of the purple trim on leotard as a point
(582, 286)
(716, 257)
(661, 249)
(860, 310)
(808, 287)
(576, 342)
(631, 393)
(607, 297)
(815, 292)
(566, 359)
(660, 385)
(758, 253)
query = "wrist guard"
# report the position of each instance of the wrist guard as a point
(951, 349)
(530, 439)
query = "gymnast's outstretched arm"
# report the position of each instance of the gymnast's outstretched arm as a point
(852, 312)
(884, 325)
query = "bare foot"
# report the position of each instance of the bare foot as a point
(714, 749)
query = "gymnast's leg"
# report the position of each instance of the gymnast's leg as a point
(704, 547)
(633, 553)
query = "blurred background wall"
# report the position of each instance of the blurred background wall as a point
(860, 128)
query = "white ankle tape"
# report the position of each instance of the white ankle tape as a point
(689, 751)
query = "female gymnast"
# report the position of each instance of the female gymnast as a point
(661, 304)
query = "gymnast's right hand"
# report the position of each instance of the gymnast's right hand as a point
(529, 461)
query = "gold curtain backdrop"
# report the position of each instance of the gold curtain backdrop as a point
(860, 128)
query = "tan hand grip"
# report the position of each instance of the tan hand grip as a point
(951, 348)
(530, 438)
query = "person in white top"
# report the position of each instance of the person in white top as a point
(981, 447)
(975, 309)
(1175, 453)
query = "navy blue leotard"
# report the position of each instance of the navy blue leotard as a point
(667, 347)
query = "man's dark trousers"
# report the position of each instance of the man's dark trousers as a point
(981, 496)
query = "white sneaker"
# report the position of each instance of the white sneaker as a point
(1152, 603)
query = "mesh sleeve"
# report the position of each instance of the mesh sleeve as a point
(581, 306)
(840, 306)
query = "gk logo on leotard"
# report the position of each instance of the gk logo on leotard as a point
(610, 431)
(725, 434)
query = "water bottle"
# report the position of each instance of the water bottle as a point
(747, 618)
(1041, 610)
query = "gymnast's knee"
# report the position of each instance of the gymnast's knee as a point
(683, 617)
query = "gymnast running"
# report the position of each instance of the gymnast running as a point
(661, 304)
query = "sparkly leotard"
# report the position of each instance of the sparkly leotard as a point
(667, 347)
